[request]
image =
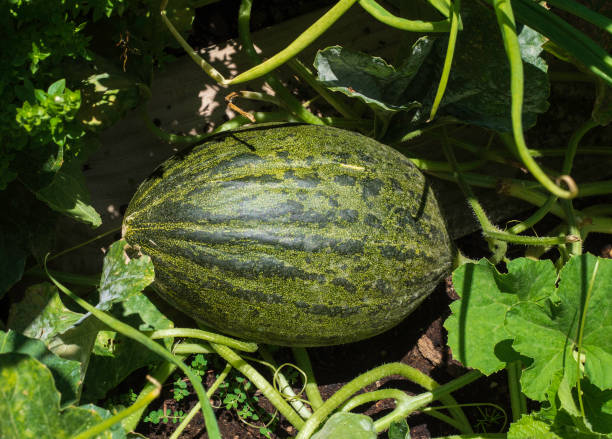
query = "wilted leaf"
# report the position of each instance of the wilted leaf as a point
(347, 426)
(30, 404)
(370, 78)
(123, 275)
(66, 373)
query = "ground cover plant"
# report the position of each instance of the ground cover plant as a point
(458, 101)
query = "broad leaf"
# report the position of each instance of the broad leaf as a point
(30, 404)
(529, 427)
(116, 356)
(123, 275)
(548, 332)
(67, 194)
(41, 313)
(476, 332)
(370, 78)
(347, 426)
(66, 373)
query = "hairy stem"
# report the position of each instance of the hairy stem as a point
(312, 388)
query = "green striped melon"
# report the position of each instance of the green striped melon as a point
(294, 235)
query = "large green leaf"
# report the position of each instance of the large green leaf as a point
(30, 404)
(529, 427)
(548, 332)
(476, 332)
(66, 373)
(347, 426)
(370, 78)
(68, 194)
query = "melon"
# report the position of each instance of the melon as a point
(293, 235)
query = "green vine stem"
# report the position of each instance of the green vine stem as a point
(261, 383)
(86, 280)
(161, 373)
(311, 386)
(559, 152)
(583, 12)
(84, 243)
(116, 325)
(448, 58)
(575, 248)
(598, 209)
(401, 410)
(434, 413)
(505, 18)
(435, 392)
(108, 423)
(439, 166)
(208, 336)
(194, 410)
(403, 138)
(489, 231)
(384, 16)
(572, 145)
(304, 72)
(208, 69)
(281, 383)
(535, 217)
(583, 313)
(299, 44)
(291, 102)
(192, 348)
(517, 402)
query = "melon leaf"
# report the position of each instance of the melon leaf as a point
(123, 275)
(369, 78)
(66, 373)
(30, 403)
(68, 194)
(477, 335)
(548, 332)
